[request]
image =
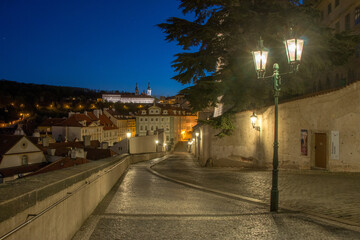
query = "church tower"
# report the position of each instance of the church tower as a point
(148, 90)
(137, 89)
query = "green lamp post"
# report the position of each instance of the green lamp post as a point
(294, 49)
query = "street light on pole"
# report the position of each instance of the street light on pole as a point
(128, 135)
(294, 48)
(156, 145)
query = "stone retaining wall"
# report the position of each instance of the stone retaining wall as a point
(54, 205)
(333, 112)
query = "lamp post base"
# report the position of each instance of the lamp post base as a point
(274, 202)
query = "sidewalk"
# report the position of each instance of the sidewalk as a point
(331, 195)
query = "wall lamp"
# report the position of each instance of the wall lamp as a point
(253, 119)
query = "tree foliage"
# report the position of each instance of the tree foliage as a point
(217, 46)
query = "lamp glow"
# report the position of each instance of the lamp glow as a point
(294, 48)
(260, 59)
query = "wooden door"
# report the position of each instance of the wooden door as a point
(320, 150)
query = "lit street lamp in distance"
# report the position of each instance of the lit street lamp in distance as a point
(156, 145)
(294, 48)
(128, 135)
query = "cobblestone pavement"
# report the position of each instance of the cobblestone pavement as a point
(145, 206)
(335, 195)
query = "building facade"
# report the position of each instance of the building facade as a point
(18, 155)
(123, 123)
(341, 16)
(177, 123)
(143, 98)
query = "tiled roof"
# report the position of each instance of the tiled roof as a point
(7, 142)
(74, 121)
(62, 148)
(118, 115)
(60, 164)
(92, 116)
(51, 122)
(170, 109)
(96, 154)
(106, 122)
(8, 172)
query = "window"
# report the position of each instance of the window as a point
(167, 138)
(329, 8)
(347, 22)
(337, 2)
(152, 128)
(357, 15)
(152, 119)
(156, 119)
(24, 159)
(141, 119)
(145, 128)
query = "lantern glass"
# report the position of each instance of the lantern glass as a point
(260, 59)
(128, 134)
(253, 119)
(294, 48)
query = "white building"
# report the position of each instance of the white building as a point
(18, 155)
(130, 97)
(177, 123)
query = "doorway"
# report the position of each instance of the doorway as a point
(320, 150)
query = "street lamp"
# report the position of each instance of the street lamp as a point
(253, 119)
(294, 48)
(156, 144)
(128, 135)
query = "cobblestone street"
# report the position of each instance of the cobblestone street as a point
(143, 205)
(335, 195)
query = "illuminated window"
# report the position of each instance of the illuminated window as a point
(357, 15)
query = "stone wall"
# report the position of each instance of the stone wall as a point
(54, 205)
(337, 111)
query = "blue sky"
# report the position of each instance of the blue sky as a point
(96, 44)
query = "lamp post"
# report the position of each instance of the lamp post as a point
(156, 145)
(294, 49)
(128, 135)
(197, 154)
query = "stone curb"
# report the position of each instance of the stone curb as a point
(330, 220)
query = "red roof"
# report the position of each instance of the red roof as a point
(96, 154)
(92, 116)
(74, 121)
(106, 122)
(8, 172)
(51, 122)
(60, 164)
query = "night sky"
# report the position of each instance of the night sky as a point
(96, 44)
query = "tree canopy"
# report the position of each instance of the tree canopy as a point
(217, 46)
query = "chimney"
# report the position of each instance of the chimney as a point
(104, 145)
(86, 141)
(45, 142)
(96, 113)
(70, 114)
(86, 113)
(51, 151)
(73, 153)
